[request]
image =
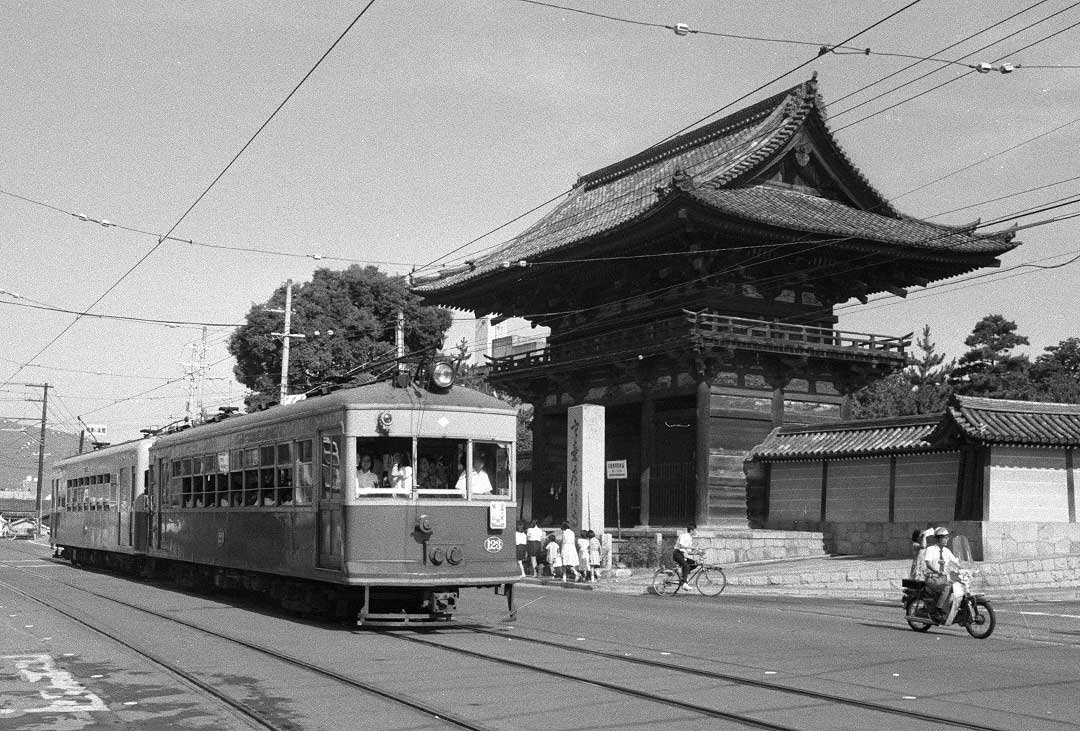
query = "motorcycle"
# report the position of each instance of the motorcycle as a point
(975, 613)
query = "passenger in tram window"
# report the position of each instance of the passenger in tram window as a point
(425, 474)
(442, 473)
(236, 489)
(480, 482)
(401, 473)
(366, 478)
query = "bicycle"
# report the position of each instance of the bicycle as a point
(708, 580)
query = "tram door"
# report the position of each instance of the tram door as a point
(329, 531)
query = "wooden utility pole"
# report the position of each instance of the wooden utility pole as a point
(286, 337)
(41, 448)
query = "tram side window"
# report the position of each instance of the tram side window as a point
(305, 481)
(251, 477)
(284, 474)
(440, 464)
(236, 478)
(185, 483)
(221, 494)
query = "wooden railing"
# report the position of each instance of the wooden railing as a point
(724, 327)
(706, 329)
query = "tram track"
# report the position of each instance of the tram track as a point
(938, 721)
(678, 701)
(395, 696)
(245, 710)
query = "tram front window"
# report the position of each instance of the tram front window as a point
(489, 471)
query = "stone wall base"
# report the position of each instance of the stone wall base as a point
(990, 540)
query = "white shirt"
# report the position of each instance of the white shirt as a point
(481, 484)
(685, 542)
(939, 559)
(366, 480)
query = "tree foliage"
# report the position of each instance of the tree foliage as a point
(348, 318)
(921, 388)
(990, 369)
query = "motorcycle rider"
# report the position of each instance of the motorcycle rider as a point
(938, 562)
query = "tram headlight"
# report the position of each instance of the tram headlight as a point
(442, 374)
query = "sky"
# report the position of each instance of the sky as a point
(431, 124)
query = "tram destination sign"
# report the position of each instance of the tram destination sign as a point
(616, 469)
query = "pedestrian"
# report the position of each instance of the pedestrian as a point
(594, 556)
(520, 546)
(568, 552)
(534, 542)
(583, 556)
(554, 558)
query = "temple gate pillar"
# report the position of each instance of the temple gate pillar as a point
(585, 475)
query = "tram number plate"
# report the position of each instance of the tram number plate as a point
(493, 544)
(496, 516)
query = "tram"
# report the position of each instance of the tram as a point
(378, 502)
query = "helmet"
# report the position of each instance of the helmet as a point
(941, 532)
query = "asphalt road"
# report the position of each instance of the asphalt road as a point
(1026, 676)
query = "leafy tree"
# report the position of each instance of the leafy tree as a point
(1056, 373)
(921, 388)
(989, 369)
(348, 318)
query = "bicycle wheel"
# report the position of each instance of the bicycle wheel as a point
(665, 582)
(711, 581)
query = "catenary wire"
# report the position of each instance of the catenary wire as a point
(200, 197)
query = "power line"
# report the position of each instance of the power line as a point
(200, 197)
(961, 76)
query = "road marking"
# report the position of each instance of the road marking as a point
(1040, 614)
(63, 693)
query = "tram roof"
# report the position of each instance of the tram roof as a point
(374, 396)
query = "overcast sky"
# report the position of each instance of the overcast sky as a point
(432, 123)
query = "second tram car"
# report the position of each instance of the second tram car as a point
(378, 502)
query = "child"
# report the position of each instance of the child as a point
(583, 556)
(594, 556)
(554, 557)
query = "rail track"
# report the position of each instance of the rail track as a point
(614, 680)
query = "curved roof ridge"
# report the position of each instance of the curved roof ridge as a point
(1015, 406)
(794, 101)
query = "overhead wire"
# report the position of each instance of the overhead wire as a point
(684, 129)
(961, 76)
(200, 197)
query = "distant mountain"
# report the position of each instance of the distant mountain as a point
(19, 453)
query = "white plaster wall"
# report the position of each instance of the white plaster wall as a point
(795, 491)
(858, 490)
(1027, 484)
(926, 487)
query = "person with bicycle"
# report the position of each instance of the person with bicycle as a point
(684, 552)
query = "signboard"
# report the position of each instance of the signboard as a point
(496, 516)
(616, 469)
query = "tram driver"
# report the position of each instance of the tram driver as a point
(481, 483)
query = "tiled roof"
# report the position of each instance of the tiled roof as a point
(813, 214)
(1001, 421)
(716, 159)
(858, 438)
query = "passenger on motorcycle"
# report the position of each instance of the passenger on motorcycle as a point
(684, 546)
(938, 563)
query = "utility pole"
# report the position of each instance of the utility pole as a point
(286, 337)
(41, 447)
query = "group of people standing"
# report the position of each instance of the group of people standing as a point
(565, 555)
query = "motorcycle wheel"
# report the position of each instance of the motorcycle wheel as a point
(912, 608)
(982, 620)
